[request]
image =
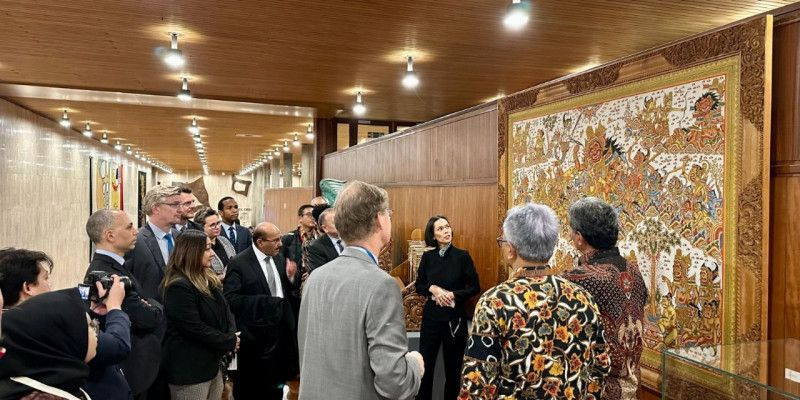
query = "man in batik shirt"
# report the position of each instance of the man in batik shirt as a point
(536, 335)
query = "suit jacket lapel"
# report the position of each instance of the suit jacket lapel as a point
(326, 241)
(152, 244)
(256, 269)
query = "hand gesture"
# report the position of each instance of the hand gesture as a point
(291, 269)
(116, 294)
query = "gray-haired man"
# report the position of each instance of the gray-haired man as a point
(352, 333)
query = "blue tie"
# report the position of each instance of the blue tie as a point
(232, 235)
(170, 245)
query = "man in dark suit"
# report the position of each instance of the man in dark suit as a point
(187, 211)
(327, 247)
(263, 295)
(238, 235)
(296, 241)
(156, 240)
(113, 234)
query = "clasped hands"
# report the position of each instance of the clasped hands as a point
(443, 298)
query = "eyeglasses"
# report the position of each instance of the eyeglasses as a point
(187, 203)
(215, 224)
(500, 241)
(308, 214)
(173, 205)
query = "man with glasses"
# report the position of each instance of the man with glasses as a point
(262, 292)
(295, 243)
(187, 211)
(155, 241)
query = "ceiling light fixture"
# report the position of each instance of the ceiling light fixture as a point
(277, 152)
(118, 146)
(64, 120)
(196, 138)
(174, 57)
(129, 151)
(410, 81)
(359, 108)
(269, 157)
(104, 139)
(185, 94)
(310, 132)
(193, 128)
(517, 14)
(286, 146)
(87, 130)
(296, 140)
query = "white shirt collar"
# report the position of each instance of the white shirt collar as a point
(115, 256)
(335, 246)
(259, 255)
(158, 232)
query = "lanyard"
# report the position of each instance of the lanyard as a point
(369, 253)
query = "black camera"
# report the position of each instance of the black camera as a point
(106, 280)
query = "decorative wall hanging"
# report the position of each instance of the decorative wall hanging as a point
(677, 140)
(240, 186)
(141, 189)
(107, 184)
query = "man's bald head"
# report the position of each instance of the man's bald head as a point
(267, 238)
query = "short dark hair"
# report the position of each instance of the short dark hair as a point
(596, 221)
(222, 200)
(430, 240)
(18, 267)
(185, 189)
(318, 209)
(303, 207)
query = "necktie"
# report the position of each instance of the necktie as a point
(232, 235)
(170, 244)
(270, 277)
(339, 245)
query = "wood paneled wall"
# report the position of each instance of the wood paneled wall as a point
(280, 205)
(785, 181)
(447, 166)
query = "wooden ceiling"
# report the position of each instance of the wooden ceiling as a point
(316, 53)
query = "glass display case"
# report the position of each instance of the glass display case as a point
(751, 370)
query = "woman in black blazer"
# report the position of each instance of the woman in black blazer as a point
(200, 327)
(447, 277)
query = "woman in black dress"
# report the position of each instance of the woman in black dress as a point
(447, 277)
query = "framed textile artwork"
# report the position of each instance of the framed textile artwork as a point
(677, 141)
(106, 184)
(141, 189)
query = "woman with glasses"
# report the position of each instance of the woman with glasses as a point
(223, 249)
(447, 277)
(536, 335)
(200, 327)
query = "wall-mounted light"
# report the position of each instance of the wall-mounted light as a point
(185, 94)
(517, 14)
(174, 57)
(359, 108)
(194, 128)
(104, 139)
(410, 80)
(65, 122)
(87, 130)
(310, 132)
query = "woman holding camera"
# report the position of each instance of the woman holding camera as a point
(447, 277)
(200, 326)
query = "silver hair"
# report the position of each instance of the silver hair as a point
(99, 222)
(323, 216)
(157, 195)
(533, 231)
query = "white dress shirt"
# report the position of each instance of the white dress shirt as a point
(262, 261)
(162, 242)
(115, 256)
(226, 228)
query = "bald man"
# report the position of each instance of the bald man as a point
(263, 295)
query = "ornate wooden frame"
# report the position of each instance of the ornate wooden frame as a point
(746, 222)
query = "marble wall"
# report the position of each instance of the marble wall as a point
(44, 189)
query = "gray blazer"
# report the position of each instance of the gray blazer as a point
(352, 334)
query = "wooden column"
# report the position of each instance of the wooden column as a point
(287, 169)
(325, 130)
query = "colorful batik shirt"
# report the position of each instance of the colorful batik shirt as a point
(535, 337)
(621, 295)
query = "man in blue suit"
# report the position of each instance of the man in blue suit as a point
(238, 235)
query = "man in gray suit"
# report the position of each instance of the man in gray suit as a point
(352, 334)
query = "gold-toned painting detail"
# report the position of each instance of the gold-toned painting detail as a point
(658, 156)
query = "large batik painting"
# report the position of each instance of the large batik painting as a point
(667, 152)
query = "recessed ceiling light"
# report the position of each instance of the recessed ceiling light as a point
(193, 128)
(118, 146)
(174, 57)
(310, 132)
(129, 151)
(286, 146)
(410, 80)
(185, 94)
(517, 14)
(296, 140)
(197, 139)
(277, 152)
(65, 120)
(104, 139)
(359, 108)
(87, 130)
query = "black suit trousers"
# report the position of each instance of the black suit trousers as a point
(432, 335)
